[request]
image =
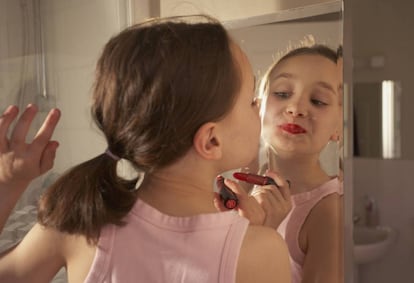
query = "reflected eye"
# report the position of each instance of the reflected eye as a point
(318, 102)
(282, 94)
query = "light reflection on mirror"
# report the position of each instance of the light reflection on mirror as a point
(377, 119)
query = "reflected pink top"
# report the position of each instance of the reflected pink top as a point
(292, 224)
(155, 247)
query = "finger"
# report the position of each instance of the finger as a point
(5, 120)
(48, 156)
(283, 184)
(45, 132)
(236, 188)
(218, 203)
(285, 191)
(271, 198)
(22, 126)
(268, 191)
(262, 199)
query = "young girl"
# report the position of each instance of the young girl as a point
(175, 99)
(302, 112)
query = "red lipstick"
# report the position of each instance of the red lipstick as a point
(228, 197)
(293, 128)
(255, 179)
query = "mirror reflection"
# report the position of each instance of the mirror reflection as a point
(262, 42)
(66, 69)
(377, 119)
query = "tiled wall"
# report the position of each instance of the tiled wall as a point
(75, 32)
(384, 28)
(390, 184)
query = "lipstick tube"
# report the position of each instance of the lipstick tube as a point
(255, 179)
(228, 197)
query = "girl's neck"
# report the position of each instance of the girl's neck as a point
(178, 194)
(304, 172)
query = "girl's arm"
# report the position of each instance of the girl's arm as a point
(37, 258)
(264, 257)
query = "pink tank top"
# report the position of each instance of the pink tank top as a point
(155, 247)
(302, 204)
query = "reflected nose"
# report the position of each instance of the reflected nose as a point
(296, 109)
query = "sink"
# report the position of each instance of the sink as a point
(372, 243)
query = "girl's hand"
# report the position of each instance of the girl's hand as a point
(275, 201)
(247, 207)
(21, 162)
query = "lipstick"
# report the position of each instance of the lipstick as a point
(255, 179)
(293, 128)
(228, 197)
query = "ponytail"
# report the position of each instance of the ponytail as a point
(87, 197)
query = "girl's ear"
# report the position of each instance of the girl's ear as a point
(335, 137)
(207, 143)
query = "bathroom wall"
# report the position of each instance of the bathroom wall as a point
(384, 28)
(231, 9)
(75, 32)
(17, 60)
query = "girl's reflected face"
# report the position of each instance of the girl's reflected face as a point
(304, 105)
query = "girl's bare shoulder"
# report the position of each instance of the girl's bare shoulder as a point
(263, 256)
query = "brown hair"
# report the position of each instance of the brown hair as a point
(317, 49)
(156, 84)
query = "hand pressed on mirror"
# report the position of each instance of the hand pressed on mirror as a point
(20, 161)
(301, 114)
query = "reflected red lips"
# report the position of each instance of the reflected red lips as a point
(293, 128)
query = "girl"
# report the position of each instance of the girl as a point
(302, 112)
(176, 100)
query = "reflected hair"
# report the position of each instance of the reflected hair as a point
(315, 49)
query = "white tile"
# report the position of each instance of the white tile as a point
(76, 145)
(77, 33)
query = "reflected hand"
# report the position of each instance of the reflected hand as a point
(275, 201)
(21, 162)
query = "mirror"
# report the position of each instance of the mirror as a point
(376, 61)
(377, 119)
(264, 38)
(53, 45)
